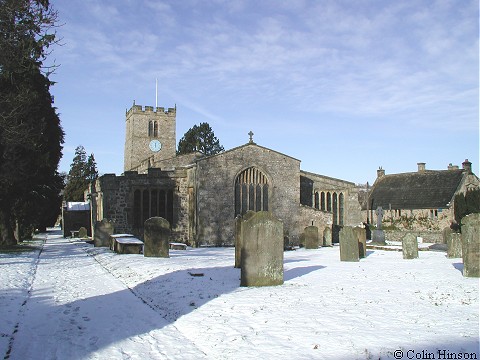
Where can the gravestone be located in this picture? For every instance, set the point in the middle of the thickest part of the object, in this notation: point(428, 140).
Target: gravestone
point(454, 245)
point(410, 246)
point(262, 250)
point(238, 236)
point(82, 233)
point(156, 237)
point(103, 230)
point(378, 235)
point(348, 244)
point(311, 237)
point(327, 236)
point(447, 232)
point(471, 245)
point(361, 235)
point(238, 240)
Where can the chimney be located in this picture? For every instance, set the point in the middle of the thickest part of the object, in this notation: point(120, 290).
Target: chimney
point(467, 166)
point(380, 173)
point(421, 167)
point(452, 167)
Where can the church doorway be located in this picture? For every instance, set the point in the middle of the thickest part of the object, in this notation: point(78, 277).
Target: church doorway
point(251, 191)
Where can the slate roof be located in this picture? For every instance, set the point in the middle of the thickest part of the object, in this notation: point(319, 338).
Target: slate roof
point(420, 190)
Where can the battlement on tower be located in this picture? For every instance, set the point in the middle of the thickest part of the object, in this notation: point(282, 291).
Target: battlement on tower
point(150, 110)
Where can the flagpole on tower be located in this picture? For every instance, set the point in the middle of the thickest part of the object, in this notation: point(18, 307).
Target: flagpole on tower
point(156, 94)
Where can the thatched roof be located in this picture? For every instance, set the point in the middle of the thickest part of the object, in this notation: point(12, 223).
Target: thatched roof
point(420, 190)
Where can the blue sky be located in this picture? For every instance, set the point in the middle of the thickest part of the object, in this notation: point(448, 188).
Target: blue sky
point(344, 86)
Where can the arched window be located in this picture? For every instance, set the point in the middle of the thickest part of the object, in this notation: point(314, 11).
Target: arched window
point(335, 209)
point(329, 202)
point(155, 129)
point(341, 210)
point(322, 201)
point(316, 200)
point(251, 191)
point(150, 128)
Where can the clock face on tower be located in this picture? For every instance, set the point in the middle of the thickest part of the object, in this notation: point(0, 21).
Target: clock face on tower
point(155, 145)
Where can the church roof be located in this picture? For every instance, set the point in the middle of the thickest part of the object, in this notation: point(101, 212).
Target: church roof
point(242, 146)
point(429, 189)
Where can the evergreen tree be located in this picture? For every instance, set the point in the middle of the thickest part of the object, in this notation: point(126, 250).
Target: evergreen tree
point(467, 203)
point(30, 133)
point(91, 169)
point(199, 138)
point(76, 178)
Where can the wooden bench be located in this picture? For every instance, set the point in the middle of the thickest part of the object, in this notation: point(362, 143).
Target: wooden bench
point(126, 244)
point(178, 246)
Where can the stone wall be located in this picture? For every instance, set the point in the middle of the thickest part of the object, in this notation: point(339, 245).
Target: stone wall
point(313, 183)
point(215, 190)
point(435, 237)
point(417, 219)
point(114, 199)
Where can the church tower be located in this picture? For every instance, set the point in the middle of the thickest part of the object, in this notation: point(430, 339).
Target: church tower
point(149, 134)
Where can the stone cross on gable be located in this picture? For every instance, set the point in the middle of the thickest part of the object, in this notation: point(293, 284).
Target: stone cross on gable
point(379, 212)
point(251, 136)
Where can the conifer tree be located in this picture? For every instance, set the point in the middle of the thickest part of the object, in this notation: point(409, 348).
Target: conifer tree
point(30, 133)
point(199, 138)
point(91, 169)
point(76, 183)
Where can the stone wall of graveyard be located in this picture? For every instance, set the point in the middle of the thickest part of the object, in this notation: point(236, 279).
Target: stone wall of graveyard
point(435, 237)
point(414, 219)
point(137, 137)
point(113, 199)
point(215, 191)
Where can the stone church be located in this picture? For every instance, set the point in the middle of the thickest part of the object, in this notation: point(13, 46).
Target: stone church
point(201, 195)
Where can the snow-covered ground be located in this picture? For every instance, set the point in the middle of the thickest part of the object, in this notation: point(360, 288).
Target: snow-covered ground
point(73, 301)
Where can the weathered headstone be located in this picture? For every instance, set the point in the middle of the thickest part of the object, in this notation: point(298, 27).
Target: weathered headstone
point(471, 245)
point(378, 235)
point(454, 245)
point(348, 244)
point(238, 236)
point(156, 237)
point(262, 250)
point(361, 235)
point(327, 236)
point(410, 246)
point(311, 237)
point(82, 233)
point(447, 231)
point(102, 232)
